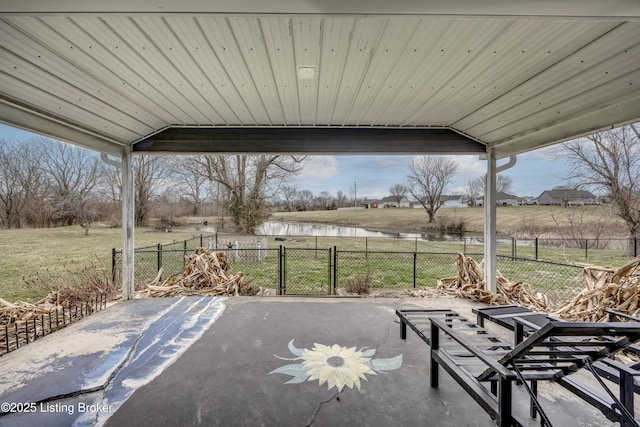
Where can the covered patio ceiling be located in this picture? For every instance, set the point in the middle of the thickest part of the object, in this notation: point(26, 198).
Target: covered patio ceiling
point(499, 77)
point(441, 76)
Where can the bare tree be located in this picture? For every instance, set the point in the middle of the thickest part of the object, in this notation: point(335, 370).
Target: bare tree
point(429, 177)
point(149, 173)
point(11, 201)
point(190, 181)
point(474, 190)
point(341, 199)
point(248, 181)
point(610, 162)
point(323, 200)
point(14, 163)
point(304, 200)
point(288, 193)
point(398, 192)
point(504, 183)
point(74, 173)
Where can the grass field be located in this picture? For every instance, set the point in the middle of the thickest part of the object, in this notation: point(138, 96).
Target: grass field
point(55, 255)
point(511, 220)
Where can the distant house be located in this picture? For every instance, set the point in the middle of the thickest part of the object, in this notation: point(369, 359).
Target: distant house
point(392, 202)
point(502, 199)
point(446, 201)
point(567, 197)
point(371, 203)
point(506, 199)
point(527, 200)
point(453, 201)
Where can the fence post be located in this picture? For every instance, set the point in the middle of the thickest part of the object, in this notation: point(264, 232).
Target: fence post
point(513, 248)
point(113, 264)
point(464, 247)
point(329, 274)
point(415, 259)
point(416, 245)
point(366, 247)
point(184, 257)
point(635, 246)
point(200, 239)
point(279, 269)
point(335, 268)
point(216, 248)
point(159, 257)
point(586, 250)
point(536, 245)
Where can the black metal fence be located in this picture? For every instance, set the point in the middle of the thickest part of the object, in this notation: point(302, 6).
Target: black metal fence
point(308, 271)
point(22, 332)
point(600, 251)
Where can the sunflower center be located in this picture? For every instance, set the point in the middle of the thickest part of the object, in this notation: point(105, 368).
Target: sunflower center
point(335, 361)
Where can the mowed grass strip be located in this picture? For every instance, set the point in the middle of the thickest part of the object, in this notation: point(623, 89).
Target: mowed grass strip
point(55, 253)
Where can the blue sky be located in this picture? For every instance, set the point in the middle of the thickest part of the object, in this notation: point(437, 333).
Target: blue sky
point(533, 173)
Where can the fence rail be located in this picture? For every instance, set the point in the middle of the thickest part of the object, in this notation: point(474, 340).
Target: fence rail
point(23, 332)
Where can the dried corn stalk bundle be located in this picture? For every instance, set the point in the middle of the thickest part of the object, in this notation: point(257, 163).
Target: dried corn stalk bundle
point(605, 289)
point(205, 273)
point(23, 322)
point(470, 284)
point(21, 311)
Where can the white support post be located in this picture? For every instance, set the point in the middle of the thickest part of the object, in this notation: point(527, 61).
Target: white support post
point(490, 269)
point(128, 225)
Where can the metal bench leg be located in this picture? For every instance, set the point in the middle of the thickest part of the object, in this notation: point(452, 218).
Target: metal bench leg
point(504, 402)
point(533, 412)
point(435, 344)
point(403, 329)
point(626, 395)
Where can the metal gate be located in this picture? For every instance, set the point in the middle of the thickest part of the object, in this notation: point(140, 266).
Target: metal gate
point(305, 271)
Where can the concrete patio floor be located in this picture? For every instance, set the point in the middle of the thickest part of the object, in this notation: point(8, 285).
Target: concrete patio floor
point(215, 361)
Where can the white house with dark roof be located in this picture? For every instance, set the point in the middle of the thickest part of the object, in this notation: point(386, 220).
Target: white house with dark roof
point(506, 199)
point(567, 197)
point(453, 201)
point(392, 202)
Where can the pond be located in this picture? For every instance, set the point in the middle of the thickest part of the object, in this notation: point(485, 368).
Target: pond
point(275, 228)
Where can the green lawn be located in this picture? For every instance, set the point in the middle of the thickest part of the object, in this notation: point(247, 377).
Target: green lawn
point(56, 255)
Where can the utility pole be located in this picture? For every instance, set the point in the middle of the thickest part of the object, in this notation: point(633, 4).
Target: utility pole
point(355, 194)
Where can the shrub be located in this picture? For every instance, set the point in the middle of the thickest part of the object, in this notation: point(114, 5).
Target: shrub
point(359, 284)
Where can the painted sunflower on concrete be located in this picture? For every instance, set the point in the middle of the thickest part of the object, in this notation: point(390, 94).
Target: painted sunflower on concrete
point(334, 365)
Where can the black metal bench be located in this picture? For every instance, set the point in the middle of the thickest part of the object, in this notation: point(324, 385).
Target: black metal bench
point(486, 366)
point(523, 322)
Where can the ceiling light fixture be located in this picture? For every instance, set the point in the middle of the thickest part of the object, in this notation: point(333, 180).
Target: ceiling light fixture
point(306, 72)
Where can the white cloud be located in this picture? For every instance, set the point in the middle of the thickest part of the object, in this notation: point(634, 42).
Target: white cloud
point(319, 168)
point(385, 161)
point(469, 167)
point(546, 153)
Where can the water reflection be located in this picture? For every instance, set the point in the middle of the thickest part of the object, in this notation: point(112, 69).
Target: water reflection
point(274, 228)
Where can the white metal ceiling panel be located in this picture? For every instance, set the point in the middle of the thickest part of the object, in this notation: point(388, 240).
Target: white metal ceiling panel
point(280, 58)
point(336, 40)
point(498, 79)
point(307, 51)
